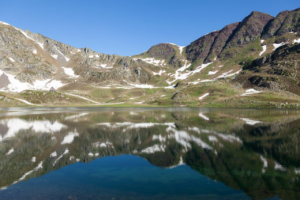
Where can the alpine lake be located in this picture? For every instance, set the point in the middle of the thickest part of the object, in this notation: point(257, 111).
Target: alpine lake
point(149, 153)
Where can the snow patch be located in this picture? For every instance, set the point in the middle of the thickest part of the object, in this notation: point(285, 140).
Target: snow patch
point(33, 159)
point(10, 151)
point(70, 72)
point(12, 60)
point(66, 152)
point(212, 72)
point(153, 149)
point(17, 86)
point(250, 91)
point(67, 59)
point(159, 73)
point(34, 51)
point(250, 121)
point(264, 50)
point(203, 116)
point(278, 45)
point(265, 164)
point(68, 139)
point(53, 154)
point(296, 41)
point(159, 138)
point(54, 56)
point(15, 125)
point(203, 96)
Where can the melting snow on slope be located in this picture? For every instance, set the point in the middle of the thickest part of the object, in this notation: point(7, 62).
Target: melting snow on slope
point(10, 151)
point(24, 101)
point(70, 72)
point(76, 116)
point(152, 61)
point(83, 98)
point(279, 167)
point(179, 75)
point(159, 138)
point(53, 154)
point(183, 138)
point(33, 159)
point(12, 60)
point(67, 59)
point(34, 51)
point(179, 164)
point(250, 121)
point(203, 116)
point(180, 47)
point(17, 86)
point(278, 45)
point(66, 152)
point(203, 96)
point(212, 138)
point(15, 125)
point(212, 72)
point(25, 34)
point(265, 164)
point(296, 41)
point(40, 166)
point(250, 91)
point(54, 56)
point(153, 149)
point(68, 139)
point(264, 50)
point(159, 73)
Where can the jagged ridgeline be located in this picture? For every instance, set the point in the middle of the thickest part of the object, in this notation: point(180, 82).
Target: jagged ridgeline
point(200, 74)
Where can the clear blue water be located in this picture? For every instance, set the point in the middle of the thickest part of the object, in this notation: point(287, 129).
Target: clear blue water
point(118, 177)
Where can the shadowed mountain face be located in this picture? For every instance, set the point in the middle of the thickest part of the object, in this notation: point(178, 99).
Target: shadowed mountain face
point(254, 151)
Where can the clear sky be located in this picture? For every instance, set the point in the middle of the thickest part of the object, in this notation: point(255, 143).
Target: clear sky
point(128, 27)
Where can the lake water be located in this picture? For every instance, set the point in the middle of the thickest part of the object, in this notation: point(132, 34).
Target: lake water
point(149, 153)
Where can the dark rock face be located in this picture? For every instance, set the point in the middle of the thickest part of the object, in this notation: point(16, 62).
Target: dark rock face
point(274, 25)
point(286, 21)
point(221, 41)
point(200, 48)
point(278, 71)
point(234, 35)
point(161, 51)
point(249, 29)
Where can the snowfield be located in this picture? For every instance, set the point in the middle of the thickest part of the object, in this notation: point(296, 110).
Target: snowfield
point(17, 86)
point(70, 72)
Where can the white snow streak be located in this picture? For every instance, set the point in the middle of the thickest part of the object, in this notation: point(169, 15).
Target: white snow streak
point(203, 96)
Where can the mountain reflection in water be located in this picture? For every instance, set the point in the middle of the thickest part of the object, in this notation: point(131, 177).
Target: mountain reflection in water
point(213, 153)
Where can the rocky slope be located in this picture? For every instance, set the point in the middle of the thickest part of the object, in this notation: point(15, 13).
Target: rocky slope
point(31, 61)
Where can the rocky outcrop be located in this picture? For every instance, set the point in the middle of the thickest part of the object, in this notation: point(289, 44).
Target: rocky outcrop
point(200, 48)
point(286, 21)
point(277, 71)
point(221, 41)
point(249, 29)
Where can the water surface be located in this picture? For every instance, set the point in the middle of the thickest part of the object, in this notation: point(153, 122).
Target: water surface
point(149, 153)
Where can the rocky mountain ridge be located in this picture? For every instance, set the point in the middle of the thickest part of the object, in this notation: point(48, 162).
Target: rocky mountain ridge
point(31, 61)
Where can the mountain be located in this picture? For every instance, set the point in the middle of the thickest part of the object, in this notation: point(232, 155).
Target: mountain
point(167, 74)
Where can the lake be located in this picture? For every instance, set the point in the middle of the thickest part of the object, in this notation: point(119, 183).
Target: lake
point(149, 153)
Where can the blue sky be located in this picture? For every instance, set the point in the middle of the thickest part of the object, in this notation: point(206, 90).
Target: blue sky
point(128, 27)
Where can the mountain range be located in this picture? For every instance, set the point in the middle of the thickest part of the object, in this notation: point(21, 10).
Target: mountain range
point(252, 63)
